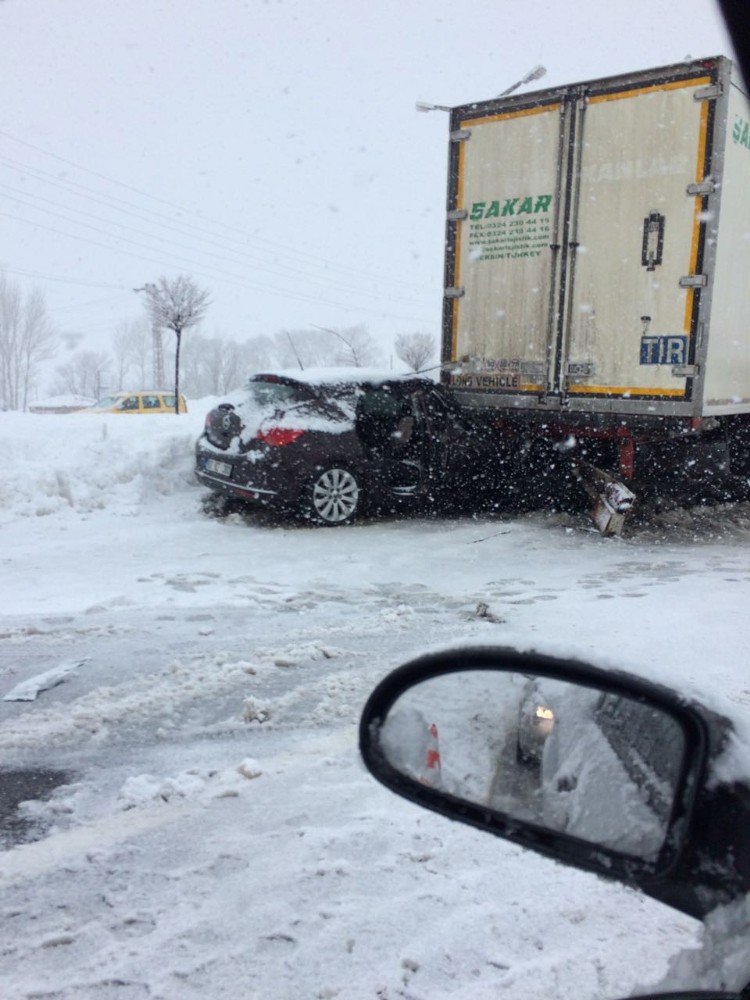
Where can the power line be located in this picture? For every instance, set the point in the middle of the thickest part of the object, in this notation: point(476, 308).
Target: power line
point(152, 236)
point(150, 248)
point(316, 259)
point(105, 200)
point(239, 281)
point(93, 302)
point(54, 277)
point(86, 170)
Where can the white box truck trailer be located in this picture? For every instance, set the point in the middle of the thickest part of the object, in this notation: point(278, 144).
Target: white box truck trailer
point(597, 269)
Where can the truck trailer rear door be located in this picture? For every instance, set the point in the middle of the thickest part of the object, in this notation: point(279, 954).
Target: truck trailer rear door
point(506, 175)
point(635, 239)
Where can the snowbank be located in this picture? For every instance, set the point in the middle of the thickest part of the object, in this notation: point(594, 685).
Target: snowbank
point(87, 462)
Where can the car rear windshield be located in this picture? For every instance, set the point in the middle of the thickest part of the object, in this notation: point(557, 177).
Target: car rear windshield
point(277, 394)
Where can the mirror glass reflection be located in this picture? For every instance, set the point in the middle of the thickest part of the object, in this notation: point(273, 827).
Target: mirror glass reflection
point(574, 759)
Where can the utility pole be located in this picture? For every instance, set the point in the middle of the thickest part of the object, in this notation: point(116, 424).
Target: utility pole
point(157, 350)
point(158, 354)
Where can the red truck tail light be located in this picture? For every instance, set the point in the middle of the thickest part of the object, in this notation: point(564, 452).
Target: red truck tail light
point(277, 437)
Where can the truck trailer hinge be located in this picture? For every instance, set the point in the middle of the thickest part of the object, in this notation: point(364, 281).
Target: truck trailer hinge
point(461, 135)
point(454, 293)
point(694, 281)
point(458, 214)
point(704, 187)
point(709, 93)
point(686, 371)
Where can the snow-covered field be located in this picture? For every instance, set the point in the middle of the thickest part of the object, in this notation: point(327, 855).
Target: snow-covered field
point(199, 681)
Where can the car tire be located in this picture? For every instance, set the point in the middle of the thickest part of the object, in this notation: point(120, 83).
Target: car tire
point(332, 497)
point(524, 758)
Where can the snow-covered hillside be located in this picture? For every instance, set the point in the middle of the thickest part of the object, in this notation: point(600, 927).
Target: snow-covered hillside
point(213, 833)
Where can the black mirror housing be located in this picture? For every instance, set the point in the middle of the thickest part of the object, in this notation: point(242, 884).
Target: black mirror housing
point(700, 863)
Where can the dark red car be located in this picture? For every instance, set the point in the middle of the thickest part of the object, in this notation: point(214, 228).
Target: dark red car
point(326, 444)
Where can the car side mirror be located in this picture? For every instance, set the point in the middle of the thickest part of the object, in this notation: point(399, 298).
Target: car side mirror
point(597, 769)
point(688, 995)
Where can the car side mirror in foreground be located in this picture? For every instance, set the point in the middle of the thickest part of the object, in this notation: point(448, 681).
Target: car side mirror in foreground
point(683, 995)
point(597, 769)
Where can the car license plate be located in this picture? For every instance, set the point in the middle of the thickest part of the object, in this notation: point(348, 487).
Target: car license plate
point(222, 468)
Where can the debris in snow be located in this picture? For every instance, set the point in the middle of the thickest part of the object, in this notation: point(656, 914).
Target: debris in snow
point(249, 768)
point(286, 660)
point(144, 788)
point(255, 711)
point(400, 611)
point(498, 965)
point(294, 655)
point(494, 534)
point(57, 940)
point(286, 938)
point(483, 611)
point(29, 689)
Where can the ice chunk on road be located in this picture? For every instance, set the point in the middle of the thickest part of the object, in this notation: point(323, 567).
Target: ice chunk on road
point(29, 689)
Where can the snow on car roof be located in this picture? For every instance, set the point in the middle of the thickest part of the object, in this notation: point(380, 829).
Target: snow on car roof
point(341, 376)
point(142, 392)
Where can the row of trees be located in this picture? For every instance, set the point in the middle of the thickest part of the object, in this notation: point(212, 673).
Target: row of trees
point(215, 365)
point(27, 339)
point(203, 365)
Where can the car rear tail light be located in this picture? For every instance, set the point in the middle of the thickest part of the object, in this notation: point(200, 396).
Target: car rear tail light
point(277, 437)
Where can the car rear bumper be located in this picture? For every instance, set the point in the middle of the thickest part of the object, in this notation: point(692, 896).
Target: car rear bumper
point(247, 490)
point(235, 476)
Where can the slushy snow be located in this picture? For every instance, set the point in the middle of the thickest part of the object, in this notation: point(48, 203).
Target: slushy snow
point(216, 834)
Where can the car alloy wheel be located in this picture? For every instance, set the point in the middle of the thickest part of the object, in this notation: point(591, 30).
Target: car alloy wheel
point(334, 497)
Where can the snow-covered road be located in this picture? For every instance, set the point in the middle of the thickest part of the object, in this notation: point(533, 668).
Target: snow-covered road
point(217, 835)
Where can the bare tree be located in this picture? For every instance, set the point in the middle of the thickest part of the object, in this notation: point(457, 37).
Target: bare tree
point(213, 366)
point(416, 349)
point(176, 304)
point(132, 344)
point(356, 347)
point(26, 340)
point(305, 348)
point(86, 373)
point(257, 353)
point(207, 364)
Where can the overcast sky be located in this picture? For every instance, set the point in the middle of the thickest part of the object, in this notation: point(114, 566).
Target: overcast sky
point(271, 149)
